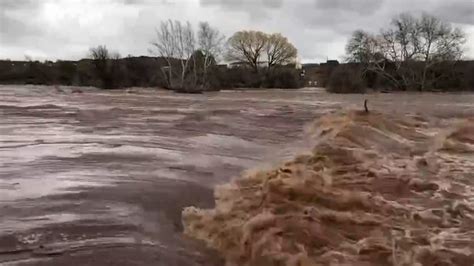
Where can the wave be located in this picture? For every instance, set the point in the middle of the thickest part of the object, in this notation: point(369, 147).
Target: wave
point(375, 190)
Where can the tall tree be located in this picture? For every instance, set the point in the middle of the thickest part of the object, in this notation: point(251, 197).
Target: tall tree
point(186, 45)
point(210, 42)
point(279, 50)
point(175, 40)
point(100, 55)
point(408, 45)
point(164, 46)
point(252, 47)
point(106, 65)
point(361, 47)
point(247, 47)
point(438, 41)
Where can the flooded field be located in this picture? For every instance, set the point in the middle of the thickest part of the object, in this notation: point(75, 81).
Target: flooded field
point(101, 178)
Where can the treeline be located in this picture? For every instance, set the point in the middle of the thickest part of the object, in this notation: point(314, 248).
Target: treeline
point(184, 59)
point(355, 78)
point(258, 59)
point(125, 72)
point(414, 54)
point(140, 72)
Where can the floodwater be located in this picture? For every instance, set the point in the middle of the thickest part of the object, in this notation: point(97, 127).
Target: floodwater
point(101, 178)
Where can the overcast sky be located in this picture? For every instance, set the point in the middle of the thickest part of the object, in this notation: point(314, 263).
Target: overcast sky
point(66, 29)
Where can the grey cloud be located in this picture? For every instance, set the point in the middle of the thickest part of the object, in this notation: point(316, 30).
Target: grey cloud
point(362, 7)
point(258, 10)
point(272, 3)
point(18, 4)
point(327, 17)
point(133, 2)
point(16, 20)
point(455, 11)
point(460, 11)
point(319, 28)
point(147, 2)
point(14, 29)
point(243, 4)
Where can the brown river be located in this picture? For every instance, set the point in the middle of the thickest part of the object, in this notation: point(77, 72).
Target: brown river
point(102, 178)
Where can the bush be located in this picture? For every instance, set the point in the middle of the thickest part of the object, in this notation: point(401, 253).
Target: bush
point(146, 72)
point(467, 78)
point(283, 78)
point(241, 77)
point(345, 79)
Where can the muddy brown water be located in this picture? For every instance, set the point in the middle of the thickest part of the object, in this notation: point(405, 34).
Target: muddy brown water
point(101, 178)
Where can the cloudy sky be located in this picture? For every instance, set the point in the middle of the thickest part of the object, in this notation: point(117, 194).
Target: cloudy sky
point(65, 29)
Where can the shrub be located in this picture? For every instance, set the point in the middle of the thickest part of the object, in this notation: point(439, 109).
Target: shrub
point(283, 78)
point(240, 77)
point(345, 79)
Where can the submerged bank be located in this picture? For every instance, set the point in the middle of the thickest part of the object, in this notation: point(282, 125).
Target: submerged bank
point(375, 190)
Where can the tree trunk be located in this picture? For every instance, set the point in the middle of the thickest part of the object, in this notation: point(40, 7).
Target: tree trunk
point(170, 77)
point(423, 78)
point(255, 65)
point(425, 67)
point(183, 75)
point(204, 76)
point(194, 71)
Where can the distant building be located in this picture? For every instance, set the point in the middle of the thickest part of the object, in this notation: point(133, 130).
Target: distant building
point(238, 64)
point(331, 63)
point(316, 75)
point(264, 64)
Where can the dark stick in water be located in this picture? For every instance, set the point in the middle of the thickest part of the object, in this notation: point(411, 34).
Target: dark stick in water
point(365, 106)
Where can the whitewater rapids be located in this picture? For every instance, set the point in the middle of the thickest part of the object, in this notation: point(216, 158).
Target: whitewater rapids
point(375, 189)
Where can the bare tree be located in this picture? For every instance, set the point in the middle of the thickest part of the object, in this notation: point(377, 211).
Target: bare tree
point(175, 40)
point(248, 47)
point(100, 55)
point(210, 42)
point(370, 51)
point(106, 64)
point(438, 41)
point(402, 39)
point(252, 46)
point(165, 46)
point(186, 44)
point(409, 44)
point(362, 48)
point(279, 50)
